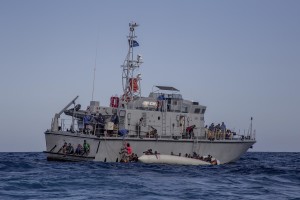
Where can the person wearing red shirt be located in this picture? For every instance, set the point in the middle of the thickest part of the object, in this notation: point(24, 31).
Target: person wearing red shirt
point(129, 149)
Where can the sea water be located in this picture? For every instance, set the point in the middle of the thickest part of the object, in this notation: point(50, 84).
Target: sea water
point(254, 176)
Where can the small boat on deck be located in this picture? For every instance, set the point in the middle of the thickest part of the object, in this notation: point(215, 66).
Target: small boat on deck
point(174, 160)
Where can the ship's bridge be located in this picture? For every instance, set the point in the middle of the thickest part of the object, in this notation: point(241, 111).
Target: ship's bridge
point(174, 102)
point(165, 93)
point(167, 99)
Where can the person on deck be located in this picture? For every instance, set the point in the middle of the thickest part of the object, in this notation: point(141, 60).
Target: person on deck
point(211, 131)
point(223, 127)
point(190, 131)
point(115, 119)
point(86, 122)
point(218, 128)
point(223, 130)
point(101, 122)
point(160, 102)
point(211, 127)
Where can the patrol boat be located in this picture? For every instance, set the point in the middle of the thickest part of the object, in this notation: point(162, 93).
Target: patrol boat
point(163, 121)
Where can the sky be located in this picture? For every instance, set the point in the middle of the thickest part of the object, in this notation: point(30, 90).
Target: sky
point(241, 59)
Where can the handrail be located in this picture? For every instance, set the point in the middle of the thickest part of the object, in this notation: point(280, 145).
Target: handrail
point(95, 129)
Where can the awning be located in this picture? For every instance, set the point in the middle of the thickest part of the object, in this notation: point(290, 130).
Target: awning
point(167, 88)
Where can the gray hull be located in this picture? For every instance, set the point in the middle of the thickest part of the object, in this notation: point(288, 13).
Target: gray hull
point(107, 149)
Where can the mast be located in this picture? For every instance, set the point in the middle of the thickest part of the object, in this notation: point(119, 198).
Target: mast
point(251, 127)
point(131, 81)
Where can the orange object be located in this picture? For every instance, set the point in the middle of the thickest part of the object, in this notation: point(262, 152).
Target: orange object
point(133, 84)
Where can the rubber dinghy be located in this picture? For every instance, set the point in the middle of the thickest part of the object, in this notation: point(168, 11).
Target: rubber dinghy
point(171, 159)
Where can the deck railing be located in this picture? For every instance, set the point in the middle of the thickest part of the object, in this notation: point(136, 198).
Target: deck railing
point(101, 131)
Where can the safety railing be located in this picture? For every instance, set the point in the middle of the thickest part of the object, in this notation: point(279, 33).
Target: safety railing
point(136, 132)
point(228, 135)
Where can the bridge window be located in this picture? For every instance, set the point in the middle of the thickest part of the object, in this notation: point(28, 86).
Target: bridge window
point(197, 110)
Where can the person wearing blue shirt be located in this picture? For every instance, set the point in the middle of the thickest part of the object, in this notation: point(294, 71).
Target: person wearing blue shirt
point(223, 127)
point(86, 122)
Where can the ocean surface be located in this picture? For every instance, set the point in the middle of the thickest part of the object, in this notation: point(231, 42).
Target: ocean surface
point(254, 176)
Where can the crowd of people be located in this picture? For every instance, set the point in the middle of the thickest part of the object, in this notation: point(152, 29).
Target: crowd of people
point(218, 132)
point(96, 123)
point(150, 152)
point(90, 122)
point(208, 158)
point(81, 150)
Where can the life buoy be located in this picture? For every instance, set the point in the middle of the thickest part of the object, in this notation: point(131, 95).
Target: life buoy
point(133, 84)
point(114, 102)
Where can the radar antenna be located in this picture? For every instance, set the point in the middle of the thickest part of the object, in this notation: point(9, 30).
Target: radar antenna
point(131, 81)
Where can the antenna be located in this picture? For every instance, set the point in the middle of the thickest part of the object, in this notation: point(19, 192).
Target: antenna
point(94, 75)
point(251, 127)
point(95, 66)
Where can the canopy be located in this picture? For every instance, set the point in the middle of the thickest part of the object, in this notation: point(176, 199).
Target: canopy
point(167, 88)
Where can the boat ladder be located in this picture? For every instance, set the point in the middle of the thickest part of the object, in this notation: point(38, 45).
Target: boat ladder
point(163, 120)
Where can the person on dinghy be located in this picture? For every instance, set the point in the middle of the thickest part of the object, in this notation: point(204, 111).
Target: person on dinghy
point(64, 148)
point(148, 152)
point(86, 148)
point(70, 149)
point(129, 149)
point(78, 150)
